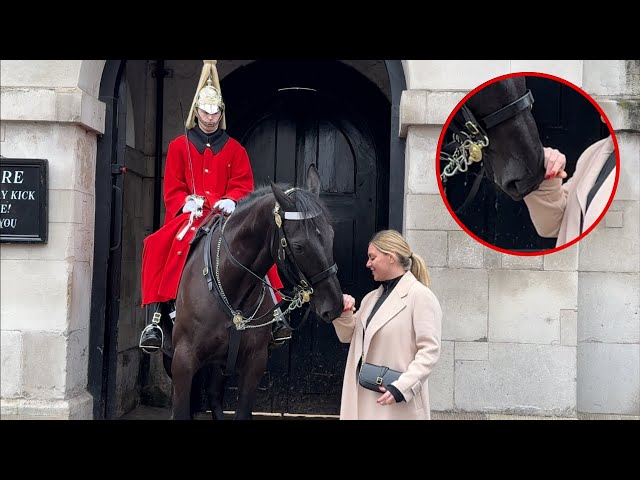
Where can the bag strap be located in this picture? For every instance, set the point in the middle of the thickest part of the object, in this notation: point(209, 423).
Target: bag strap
point(607, 168)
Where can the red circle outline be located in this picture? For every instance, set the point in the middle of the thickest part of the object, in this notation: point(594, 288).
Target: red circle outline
point(532, 74)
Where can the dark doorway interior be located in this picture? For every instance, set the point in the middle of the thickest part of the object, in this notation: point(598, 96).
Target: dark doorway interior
point(290, 115)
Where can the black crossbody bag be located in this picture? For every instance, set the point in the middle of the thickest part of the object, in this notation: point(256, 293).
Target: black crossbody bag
point(372, 376)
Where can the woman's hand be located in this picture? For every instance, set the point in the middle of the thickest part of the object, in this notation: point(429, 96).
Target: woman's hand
point(554, 163)
point(349, 303)
point(387, 398)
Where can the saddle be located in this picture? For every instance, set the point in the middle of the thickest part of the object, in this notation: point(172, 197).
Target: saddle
point(208, 223)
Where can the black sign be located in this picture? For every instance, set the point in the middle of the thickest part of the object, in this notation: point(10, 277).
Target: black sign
point(24, 200)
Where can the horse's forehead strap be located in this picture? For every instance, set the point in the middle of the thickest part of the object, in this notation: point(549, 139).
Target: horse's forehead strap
point(294, 215)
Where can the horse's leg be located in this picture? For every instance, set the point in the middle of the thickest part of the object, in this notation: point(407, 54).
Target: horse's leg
point(249, 377)
point(215, 392)
point(183, 368)
point(167, 346)
point(166, 362)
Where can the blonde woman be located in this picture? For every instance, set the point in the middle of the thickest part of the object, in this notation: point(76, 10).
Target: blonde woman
point(397, 326)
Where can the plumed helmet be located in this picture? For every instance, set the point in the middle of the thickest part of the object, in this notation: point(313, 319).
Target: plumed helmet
point(209, 99)
point(208, 95)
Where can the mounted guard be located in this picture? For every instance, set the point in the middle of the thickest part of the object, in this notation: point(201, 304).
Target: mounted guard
point(206, 172)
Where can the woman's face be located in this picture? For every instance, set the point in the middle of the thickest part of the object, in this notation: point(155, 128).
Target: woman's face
point(381, 264)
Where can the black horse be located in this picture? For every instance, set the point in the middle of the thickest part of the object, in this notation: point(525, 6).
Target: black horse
point(224, 313)
point(493, 135)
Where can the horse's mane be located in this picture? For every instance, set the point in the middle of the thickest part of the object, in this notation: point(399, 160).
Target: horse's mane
point(305, 201)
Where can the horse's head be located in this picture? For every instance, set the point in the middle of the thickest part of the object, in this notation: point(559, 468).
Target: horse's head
point(305, 246)
point(514, 156)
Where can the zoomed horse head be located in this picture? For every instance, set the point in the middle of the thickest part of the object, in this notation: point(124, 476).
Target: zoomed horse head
point(513, 154)
point(305, 247)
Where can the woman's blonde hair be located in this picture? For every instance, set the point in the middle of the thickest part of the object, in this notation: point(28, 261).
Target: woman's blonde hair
point(391, 242)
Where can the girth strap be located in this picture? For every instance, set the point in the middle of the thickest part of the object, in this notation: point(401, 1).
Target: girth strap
point(232, 354)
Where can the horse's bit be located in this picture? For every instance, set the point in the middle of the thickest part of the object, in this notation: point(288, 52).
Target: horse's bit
point(470, 137)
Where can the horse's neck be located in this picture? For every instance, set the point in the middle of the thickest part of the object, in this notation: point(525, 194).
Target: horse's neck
point(249, 237)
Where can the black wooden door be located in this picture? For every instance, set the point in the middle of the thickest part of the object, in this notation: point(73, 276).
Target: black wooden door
point(295, 129)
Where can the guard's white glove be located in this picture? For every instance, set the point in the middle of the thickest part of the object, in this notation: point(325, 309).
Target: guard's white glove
point(190, 206)
point(225, 205)
point(193, 204)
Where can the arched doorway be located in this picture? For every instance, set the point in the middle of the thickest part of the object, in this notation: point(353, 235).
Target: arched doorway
point(288, 114)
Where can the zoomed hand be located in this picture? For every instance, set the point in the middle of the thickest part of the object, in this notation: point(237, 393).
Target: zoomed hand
point(349, 303)
point(554, 163)
point(225, 205)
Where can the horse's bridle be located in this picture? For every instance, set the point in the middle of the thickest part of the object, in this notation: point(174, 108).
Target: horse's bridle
point(470, 137)
point(303, 287)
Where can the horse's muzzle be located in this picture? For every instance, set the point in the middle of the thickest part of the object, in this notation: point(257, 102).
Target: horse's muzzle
point(518, 186)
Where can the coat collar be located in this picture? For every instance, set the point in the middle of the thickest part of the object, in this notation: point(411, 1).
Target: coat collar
point(216, 141)
point(394, 303)
point(599, 158)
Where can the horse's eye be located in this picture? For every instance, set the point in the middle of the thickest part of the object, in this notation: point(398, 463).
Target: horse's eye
point(297, 248)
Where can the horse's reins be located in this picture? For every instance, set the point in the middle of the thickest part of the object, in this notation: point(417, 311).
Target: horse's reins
point(470, 138)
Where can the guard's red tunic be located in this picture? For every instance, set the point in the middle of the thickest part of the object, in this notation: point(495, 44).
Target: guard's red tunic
point(225, 174)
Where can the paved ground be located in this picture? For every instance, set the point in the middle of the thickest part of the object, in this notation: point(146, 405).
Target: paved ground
point(154, 413)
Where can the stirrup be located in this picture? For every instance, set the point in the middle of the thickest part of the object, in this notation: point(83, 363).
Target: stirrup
point(151, 326)
point(278, 326)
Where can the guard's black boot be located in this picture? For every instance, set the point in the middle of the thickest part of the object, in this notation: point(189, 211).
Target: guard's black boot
point(280, 332)
point(152, 336)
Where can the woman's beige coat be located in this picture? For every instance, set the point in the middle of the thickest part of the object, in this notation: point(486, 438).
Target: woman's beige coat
point(404, 335)
point(555, 208)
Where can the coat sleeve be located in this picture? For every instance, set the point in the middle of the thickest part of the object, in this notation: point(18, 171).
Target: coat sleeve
point(547, 205)
point(176, 189)
point(427, 324)
point(345, 325)
point(241, 176)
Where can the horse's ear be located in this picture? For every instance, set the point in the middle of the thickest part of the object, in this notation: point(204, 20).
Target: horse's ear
point(281, 197)
point(313, 179)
